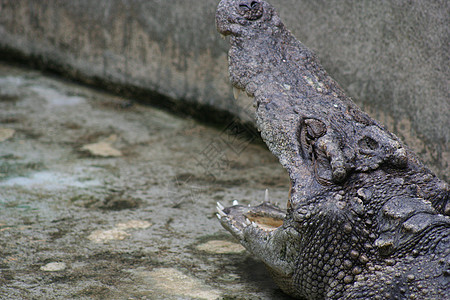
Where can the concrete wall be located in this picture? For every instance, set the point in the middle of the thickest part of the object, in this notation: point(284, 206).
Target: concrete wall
point(391, 56)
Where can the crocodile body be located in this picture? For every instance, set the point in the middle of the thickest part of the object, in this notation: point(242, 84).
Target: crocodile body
point(364, 219)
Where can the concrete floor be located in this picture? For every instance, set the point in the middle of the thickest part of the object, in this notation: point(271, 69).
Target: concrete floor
point(103, 198)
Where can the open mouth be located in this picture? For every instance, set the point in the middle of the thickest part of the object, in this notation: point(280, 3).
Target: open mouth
point(265, 218)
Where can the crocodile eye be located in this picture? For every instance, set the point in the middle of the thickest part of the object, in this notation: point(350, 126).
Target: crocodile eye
point(368, 144)
point(315, 128)
point(309, 131)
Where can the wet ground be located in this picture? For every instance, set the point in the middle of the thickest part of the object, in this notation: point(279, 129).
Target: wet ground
point(103, 198)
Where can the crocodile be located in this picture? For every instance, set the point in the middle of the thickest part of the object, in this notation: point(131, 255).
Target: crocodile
point(365, 219)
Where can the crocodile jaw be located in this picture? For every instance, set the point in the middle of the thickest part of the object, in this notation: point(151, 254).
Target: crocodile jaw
point(261, 230)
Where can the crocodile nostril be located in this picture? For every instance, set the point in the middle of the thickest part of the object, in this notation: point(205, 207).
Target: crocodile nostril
point(248, 5)
point(251, 10)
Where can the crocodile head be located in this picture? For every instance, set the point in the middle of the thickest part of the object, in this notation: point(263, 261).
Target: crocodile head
point(355, 187)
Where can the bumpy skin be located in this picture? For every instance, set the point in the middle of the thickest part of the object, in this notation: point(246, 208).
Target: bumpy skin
point(365, 218)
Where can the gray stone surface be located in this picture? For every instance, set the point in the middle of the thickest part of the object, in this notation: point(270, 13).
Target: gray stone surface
point(391, 57)
point(81, 221)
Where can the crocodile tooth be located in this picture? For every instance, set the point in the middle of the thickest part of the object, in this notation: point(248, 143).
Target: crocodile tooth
point(247, 221)
point(220, 209)
point(221, 213)
point(218, 216)
point(254, 225)
point(236, 93)
point(220, 206)
point(235, 202)
point(266, 196)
